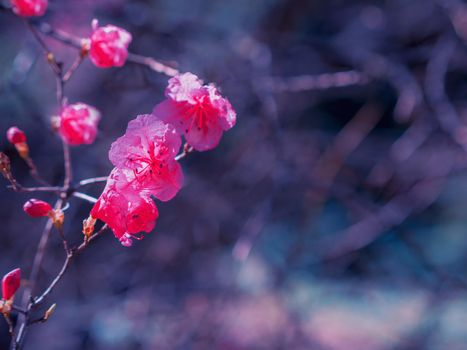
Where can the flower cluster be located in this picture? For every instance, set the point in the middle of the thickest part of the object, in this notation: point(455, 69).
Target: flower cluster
point(145, 166)
point(107, 47)
point(197, 111)
point(124, 209)
point(145, 157)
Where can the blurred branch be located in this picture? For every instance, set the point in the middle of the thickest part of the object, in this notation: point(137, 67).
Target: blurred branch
point(315, 82)
point(152, 64)
point(85, 197)
point(92, 181)
point(76, 42)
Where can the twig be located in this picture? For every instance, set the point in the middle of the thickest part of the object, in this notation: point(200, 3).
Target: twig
point(63, 37)
point(92, 181)
point(85, 197)
point(20, 188)
point(27, 295)
point(67, 76)
point(316, 82)
point(11, 328)
point(152, 64)
point(73, 253)
point(19, 309)
point(33, 171)
point(186, 150)
point(67, 161)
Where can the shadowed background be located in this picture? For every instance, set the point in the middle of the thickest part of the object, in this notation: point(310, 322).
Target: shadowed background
point(331, 217)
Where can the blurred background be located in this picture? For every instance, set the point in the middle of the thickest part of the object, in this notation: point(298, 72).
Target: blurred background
point(332, 217)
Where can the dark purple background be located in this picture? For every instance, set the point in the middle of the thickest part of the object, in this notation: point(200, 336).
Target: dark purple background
point(333, 216)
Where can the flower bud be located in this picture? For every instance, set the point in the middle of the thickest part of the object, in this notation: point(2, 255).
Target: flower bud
point(18, 139)
point(58, 217)
point(5, 166)
point(29, 8)
point(10, 284)
point(15, 135)
point(49, 312)
point(36, 208)
point(88, 226)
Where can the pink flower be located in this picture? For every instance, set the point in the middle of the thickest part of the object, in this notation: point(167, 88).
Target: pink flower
point(125, 210)
point(36, 208)
point(78, 124)
point(109, 46)
point(145, 154)
point(15, 135)
point(29, 8)
point(10, 284)
point(198, 111)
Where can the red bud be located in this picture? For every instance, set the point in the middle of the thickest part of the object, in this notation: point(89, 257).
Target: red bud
point(37, 208)
point(15, 135)
point(10, 283)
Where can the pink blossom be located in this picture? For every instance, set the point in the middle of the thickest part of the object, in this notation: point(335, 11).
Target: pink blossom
point(109, 46)
point(198, 111)
point(78, 124)
point(29, 8)
point(145, 154)
point(125, 210)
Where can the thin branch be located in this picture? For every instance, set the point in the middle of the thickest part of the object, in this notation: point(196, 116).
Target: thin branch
point(186, 150)
point(85, 197)
point(34, 172)
point(27, 295)
point(19, 309)
point(61, 36)
point(67, 76)
point(92, 181)
point(67, 164)
point(73, 253)
point(316, 82)
point(20, 188)
point(49, 56)
point(11, 328)
point(152, 64)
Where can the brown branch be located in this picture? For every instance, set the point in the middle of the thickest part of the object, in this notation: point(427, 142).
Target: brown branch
point(70, 256)
point(27, 294)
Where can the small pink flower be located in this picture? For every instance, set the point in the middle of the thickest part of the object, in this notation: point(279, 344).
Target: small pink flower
point(198, 111)
point(109, 46)
point(36, 208)
point(10, 284)
point(15, 135)
point(29, 8)
point(145, 154)
point(126, 211)
point(78, 124)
